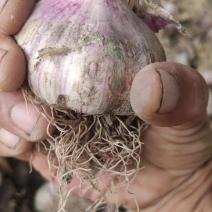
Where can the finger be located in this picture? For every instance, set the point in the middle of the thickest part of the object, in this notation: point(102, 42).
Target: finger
point(39, 162)
point(175, 96)
point(168, 94)
point(23, 119)
point(12, 145)
point(12, 64)
point(13, 14)
point(87, 190)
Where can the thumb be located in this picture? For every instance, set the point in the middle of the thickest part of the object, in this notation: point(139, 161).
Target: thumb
point(168, 94)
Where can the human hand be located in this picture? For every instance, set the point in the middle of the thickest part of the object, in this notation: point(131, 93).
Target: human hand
point(21, 124)
point(177, 150)
point(177, 160)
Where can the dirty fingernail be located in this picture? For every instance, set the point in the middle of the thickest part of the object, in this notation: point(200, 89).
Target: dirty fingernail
point(8, 139)
point(170, 92)
point(2, 4)
point(25, 117)
point(2, 53)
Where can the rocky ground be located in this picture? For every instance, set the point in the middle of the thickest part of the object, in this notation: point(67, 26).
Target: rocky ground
point(18, 185)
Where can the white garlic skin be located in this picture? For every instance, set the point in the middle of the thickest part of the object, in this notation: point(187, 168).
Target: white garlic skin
point(83, 54)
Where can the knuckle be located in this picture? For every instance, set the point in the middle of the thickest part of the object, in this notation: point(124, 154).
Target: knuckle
point(11, 77)
point(13, 14)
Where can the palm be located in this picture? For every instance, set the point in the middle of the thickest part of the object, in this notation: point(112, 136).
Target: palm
point(171, 167)
point(171, 164)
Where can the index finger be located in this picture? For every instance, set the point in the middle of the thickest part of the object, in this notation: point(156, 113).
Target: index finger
point(13, 14)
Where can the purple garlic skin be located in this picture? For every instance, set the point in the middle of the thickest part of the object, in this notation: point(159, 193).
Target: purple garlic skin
point(83, 54)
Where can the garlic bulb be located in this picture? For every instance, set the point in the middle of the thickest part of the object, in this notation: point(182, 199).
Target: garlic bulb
point(83, 54)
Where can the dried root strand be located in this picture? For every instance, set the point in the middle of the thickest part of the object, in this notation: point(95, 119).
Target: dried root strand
point(84, 145)
point(89, 144)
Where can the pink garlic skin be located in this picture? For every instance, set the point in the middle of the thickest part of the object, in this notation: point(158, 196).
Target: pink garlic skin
point(83, 54)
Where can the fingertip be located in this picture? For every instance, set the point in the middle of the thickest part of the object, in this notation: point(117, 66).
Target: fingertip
point(169, 94)
point(41, 164)
point(12, 64)
point(12, 145)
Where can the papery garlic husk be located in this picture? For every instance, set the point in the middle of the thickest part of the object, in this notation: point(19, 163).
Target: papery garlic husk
point(83, 54)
